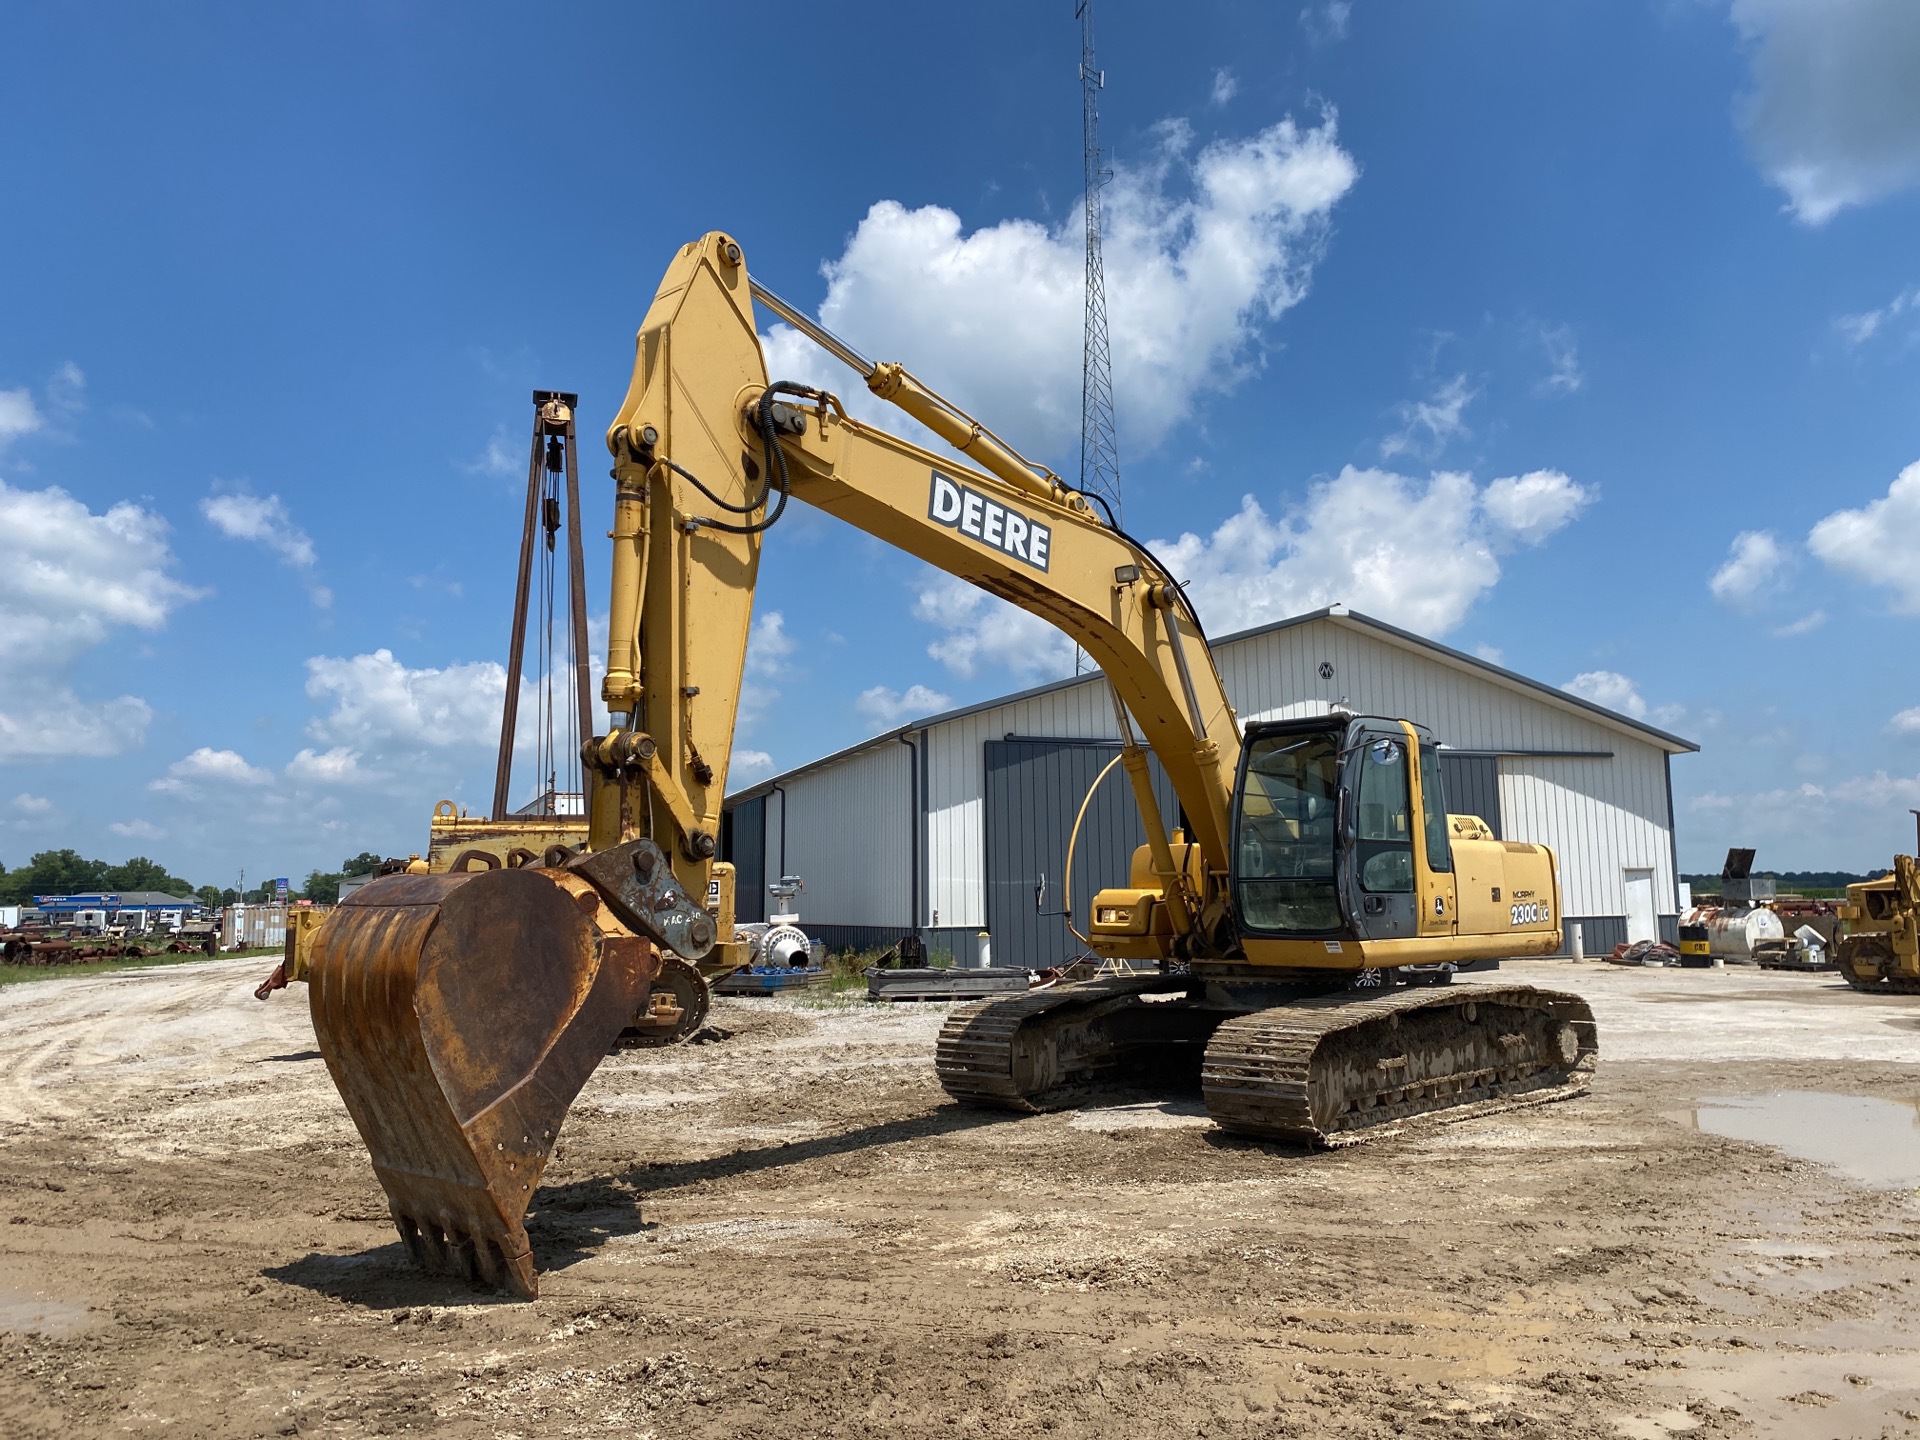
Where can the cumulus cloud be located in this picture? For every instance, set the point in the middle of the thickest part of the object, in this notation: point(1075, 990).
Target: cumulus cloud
point(209, 767)
point(1202, 249)
point(1833, 114)
point(981, 631)
point(1609, 688)
point(18, 415)
point(502, 457)
point(1853, 823)
point(1428, 426)
point(1225, 87)
point(1877, 543)
point(380, 706)
point(1416, 553)
point(769, 648)
point(887, 707)
point(1907, 722)
point(748, 764)
point(137, 830)
point(48, 721)
point(27, 804)
point(1754, 563)
point(71, 577)
point(337, 766)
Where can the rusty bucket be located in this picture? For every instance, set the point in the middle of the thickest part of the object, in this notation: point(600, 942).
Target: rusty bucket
point(459, 1015)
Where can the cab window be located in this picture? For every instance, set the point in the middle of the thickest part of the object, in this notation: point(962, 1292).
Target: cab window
point(1384, 834)
point(1433, 795)
point(1284, 843)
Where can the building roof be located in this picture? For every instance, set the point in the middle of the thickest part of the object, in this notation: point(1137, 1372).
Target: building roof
point(114, 900)
point(1339, 615)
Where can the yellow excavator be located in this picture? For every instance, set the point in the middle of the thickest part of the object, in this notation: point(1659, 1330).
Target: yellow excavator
point(460, 1013)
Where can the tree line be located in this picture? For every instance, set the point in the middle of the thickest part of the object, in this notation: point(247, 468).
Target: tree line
point(67, 872)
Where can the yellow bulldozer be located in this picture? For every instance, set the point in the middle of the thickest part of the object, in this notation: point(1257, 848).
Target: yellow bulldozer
point(460, 1012)
point(1879, 945)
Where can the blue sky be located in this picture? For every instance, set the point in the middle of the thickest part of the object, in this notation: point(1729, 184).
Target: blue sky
point(1585, 335)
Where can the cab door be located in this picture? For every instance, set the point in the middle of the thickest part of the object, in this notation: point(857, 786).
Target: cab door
point(1439, 904)
point(1380, 874)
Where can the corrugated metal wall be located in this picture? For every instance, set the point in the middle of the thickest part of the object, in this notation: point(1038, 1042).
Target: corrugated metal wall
point(849, 836)
point(1473, 788)
point(848, 823)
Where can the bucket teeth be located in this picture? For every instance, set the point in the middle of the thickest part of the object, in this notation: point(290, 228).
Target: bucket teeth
point(459, 1016)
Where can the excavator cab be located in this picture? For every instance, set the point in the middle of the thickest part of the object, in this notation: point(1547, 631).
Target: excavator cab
point(1342, 839)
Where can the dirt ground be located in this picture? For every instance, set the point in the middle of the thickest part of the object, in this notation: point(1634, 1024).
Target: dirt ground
point(790, 1232)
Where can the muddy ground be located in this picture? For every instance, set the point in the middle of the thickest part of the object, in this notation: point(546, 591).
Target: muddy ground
point(792, 1233)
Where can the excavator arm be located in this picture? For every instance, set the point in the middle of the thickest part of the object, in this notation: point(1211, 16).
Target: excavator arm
point(706, 453)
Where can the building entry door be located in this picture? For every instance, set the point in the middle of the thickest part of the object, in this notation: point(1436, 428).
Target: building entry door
point(1642, 924)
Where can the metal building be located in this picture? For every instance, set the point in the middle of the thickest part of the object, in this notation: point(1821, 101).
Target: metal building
point(958, 823)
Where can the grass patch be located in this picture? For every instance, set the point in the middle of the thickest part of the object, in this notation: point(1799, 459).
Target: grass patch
point(15, 974)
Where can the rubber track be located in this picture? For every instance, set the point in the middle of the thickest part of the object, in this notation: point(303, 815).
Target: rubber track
point(975, 1052)
point(1258, 1066)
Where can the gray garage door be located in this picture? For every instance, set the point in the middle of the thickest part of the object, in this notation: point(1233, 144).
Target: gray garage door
point(1034, 789)
point(1473, 787)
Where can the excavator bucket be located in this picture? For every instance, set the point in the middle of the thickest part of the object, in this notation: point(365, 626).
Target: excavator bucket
point(459, 1015)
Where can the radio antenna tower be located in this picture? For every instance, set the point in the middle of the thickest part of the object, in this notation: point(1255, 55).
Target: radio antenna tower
point(1099, 446)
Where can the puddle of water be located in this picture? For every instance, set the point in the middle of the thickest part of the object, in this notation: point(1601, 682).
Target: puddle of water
point(21, 1311)
point(1876, 1142)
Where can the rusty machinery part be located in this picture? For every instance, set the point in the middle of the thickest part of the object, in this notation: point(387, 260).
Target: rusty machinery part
point(1867, 962)
point(676, 1009)
point(639, 884)
point(459, 1015)
point(1318, 1070)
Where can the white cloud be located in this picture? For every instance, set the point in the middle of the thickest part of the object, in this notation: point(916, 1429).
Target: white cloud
point(1533, 506)
point(1415, 553)
point(67, 389)
point(749, 763)
point(1833, 115)
point(71, 576)
point(1609, 688)
point(1754, 564)
point(1877, 543)
point(18, 415)
point(888, 707)
point(501, 457)
point(1492, 654)
point(1327, 21)
point(137, 829)
point(382, 707)
point(1564, 376)
point(1907, 722)
point(207, 766)
point(1428, 426)
point(1805, 625)
point(768, 644)
point(982, 630)
point(262, 520)
point(32, 804)
point(1225, 87)
point(49, 722)
point(993, 318)
point(337, 766)
point(1857, 330)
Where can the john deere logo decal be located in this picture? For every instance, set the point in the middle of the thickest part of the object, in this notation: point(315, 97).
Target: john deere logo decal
point(960, 508)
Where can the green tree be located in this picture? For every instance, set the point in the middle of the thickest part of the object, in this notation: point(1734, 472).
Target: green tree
point(228, 896)
point(322, 887)
point(365, 863)
point(52, 872)
point(208, 896)
point(140, 873)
